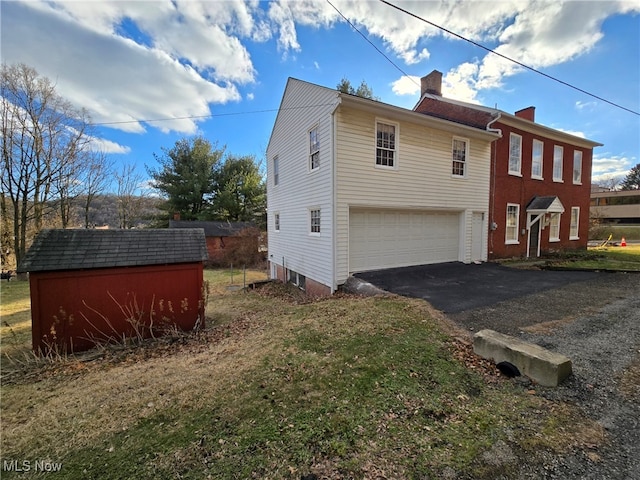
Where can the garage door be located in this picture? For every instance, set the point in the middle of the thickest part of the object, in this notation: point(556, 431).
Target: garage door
point(389, 238)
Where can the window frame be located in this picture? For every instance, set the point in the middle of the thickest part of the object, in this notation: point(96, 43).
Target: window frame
point(314, 148)
point(276, 222)
point(558, 163)
point(574, 229)
point(507, 239)
point(577, 161)
point(276, 170)
point(394, 150)
point(518, 172)
point(554, 225)
point(315, 228)
point(454, 160)
point(535, 144)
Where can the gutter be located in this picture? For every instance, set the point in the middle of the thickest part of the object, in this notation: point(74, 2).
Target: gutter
point(334, 200)
point(492, 181)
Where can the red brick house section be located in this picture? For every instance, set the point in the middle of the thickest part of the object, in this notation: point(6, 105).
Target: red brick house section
point(531, 212)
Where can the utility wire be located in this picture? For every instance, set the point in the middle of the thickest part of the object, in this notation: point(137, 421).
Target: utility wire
point(508, 58)
point(211, 115)
point(372, 44)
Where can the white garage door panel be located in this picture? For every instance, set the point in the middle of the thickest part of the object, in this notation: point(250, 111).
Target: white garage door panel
point(386, 239)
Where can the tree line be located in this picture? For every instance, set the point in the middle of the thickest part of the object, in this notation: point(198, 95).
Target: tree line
point(52, 172)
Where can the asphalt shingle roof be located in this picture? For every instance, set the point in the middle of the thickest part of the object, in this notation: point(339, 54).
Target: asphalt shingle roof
point(213, 228)
point(85, 249)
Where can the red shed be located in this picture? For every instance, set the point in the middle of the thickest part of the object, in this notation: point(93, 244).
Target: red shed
point(97, 286)
point(221, 236)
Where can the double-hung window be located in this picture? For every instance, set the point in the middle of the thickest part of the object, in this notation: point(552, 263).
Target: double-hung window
point(513, 223)
point(276, 221)
point(515, 154)
point(575, 223)
point(314, 219)
point(460, 151)
point(276, 170)
point(537, 159)
point(577, 167)
point(386, 144)
point(558, 155)
point(314, 149)
point(554, 228)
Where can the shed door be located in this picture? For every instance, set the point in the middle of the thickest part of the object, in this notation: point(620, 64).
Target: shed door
point(396, 238)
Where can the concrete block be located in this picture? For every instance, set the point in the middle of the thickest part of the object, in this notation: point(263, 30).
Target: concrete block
point(545, 367)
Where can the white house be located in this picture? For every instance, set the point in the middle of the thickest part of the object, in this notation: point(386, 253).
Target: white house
point(354, 184)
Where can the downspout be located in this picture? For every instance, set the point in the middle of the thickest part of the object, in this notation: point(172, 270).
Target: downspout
point(492, 179)
point(334, 215)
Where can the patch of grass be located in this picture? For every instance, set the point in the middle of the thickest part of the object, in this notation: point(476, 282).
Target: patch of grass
point(15, 318)
point(344, 387)
point(602, 232)
point(601, 258)
point(222, 281)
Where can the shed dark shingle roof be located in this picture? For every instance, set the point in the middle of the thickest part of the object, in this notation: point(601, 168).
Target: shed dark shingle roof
point(85, 249)
point(213, 228)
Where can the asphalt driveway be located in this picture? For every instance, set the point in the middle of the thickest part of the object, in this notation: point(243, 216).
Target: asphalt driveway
point(457, 287)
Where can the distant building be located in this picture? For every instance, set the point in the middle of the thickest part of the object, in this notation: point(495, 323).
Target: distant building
point(220, 236)
point(615, 206)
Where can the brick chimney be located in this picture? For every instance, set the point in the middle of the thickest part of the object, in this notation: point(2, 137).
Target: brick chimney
point(528, 113)
point(431, 83)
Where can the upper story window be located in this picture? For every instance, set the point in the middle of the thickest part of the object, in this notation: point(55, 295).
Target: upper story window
point(575, 223)
point(513, 223)
point(276, 221)
point(515, 154)
point(537, 159)
point(386, 144)
point(276, 170)
point(577, 166)
point(459, 154)
point(314, 216)
point(314, 149)
point(558, 156)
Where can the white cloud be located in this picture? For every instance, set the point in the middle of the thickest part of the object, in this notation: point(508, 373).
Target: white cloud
point(119, 80)
point(406, 85)
point(107, 146)
point(606, 167)
point(585, 105)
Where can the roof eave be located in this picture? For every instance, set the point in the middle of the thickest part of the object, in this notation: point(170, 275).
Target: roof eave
point(400, 113)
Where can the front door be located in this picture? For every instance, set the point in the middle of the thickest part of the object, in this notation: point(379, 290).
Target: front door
point(534, 239)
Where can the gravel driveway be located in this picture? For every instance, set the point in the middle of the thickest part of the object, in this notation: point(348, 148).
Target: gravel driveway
point(596, 323)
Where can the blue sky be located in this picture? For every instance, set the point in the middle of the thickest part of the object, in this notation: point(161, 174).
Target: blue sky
point(225, 64)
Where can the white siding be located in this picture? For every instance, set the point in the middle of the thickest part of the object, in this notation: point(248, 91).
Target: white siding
point(303, 106)
point(422, 179)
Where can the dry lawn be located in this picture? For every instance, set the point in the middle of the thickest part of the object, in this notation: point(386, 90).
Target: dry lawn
point(278, 386)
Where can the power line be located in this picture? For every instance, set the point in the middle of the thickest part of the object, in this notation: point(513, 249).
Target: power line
point(211, 115)
point(509, 58)
point(371, 43)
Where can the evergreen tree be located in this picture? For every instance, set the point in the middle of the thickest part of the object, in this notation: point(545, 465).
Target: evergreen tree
point(632, 180)
point(187, 176)
point(240, 191)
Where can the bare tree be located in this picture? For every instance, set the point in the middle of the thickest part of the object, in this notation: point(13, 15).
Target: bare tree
point(95, 179)
point(129, 203)
point(43, 138)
